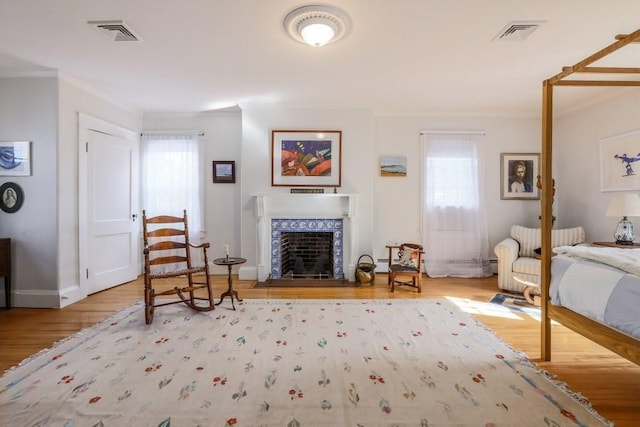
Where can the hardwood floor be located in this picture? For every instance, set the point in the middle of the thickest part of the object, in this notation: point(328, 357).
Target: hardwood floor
point(609, 382)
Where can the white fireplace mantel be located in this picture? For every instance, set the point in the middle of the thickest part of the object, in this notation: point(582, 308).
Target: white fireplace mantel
point(270, 206)
point(306, 205)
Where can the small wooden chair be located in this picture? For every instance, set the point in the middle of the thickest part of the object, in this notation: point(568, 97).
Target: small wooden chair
point(170, 233)
point(405, 261)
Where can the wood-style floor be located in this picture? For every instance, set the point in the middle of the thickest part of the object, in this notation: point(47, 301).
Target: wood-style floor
point(609, 382)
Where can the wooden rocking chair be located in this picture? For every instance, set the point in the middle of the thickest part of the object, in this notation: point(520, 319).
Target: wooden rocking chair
point(170, 233)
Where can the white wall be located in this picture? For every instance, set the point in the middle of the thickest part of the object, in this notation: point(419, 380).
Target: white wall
point(358, 167)
point(28, 112)
point(388, 208)
point(365, 139)
point(397, 200)
point(44, 231)
point(222, 139)
point(577, 159)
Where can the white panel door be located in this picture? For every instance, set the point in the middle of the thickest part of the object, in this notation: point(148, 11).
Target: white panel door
point(110, 211)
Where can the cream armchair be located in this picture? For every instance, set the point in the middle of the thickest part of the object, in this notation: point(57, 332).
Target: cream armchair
point(517, 257)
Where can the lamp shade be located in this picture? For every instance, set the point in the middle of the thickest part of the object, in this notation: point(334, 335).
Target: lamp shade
point(624, 205)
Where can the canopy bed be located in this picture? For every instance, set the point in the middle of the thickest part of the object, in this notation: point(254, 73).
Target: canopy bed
point(553, 269)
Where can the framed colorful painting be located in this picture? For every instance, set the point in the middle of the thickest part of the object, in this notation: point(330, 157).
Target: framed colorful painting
point(306, 158)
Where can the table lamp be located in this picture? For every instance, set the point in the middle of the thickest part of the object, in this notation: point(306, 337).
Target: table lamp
point(624, 205)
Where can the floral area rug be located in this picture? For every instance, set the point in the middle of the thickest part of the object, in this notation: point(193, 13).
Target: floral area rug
point(288, 363)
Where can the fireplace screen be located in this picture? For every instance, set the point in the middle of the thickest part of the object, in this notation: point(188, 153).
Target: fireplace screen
point(306, 254)
point(306, 248)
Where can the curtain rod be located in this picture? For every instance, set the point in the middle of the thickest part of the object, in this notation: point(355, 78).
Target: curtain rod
point(445, 132)
point(170, 132)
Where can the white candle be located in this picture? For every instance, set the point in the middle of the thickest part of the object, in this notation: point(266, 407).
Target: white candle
point(226, 249)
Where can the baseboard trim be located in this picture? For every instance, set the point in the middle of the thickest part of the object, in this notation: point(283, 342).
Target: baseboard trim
point(35, 299)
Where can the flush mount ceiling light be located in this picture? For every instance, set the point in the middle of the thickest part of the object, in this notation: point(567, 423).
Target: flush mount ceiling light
point(317, 25)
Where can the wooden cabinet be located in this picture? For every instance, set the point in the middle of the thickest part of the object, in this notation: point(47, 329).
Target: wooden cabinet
point(5, 269)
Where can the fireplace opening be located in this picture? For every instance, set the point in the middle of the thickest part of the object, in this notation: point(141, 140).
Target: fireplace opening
point(320, 257)
point(307, 254)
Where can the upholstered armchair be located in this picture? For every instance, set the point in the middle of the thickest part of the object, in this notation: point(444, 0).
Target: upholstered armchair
point(518, 261)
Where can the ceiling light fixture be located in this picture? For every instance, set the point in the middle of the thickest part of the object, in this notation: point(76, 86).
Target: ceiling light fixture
point(317, 25)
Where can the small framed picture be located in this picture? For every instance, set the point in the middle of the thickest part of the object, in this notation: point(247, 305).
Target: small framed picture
point(393, 166)
point(15, 158)
point(11, 197)
point(224, 172)
point(518, 172)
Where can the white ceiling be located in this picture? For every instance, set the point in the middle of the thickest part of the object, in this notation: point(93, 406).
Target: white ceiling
point(401, 56)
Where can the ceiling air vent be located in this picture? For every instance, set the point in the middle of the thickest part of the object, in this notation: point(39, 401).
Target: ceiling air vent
point(116, 31)
point(518, 30)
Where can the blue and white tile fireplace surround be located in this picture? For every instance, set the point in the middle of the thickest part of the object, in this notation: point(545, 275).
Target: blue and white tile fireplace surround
point(280, 213)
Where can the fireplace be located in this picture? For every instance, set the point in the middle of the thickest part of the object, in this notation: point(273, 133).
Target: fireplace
point(307, 248)
point(315, 213)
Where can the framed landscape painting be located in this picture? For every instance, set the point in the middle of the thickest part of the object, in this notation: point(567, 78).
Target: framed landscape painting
point(306, 158)
point(224, 172)
point(393, 166)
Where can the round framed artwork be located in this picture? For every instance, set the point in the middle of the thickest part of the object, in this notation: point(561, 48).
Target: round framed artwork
point(11, 197)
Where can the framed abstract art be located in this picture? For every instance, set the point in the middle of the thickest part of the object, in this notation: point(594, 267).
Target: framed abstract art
point(306, 158)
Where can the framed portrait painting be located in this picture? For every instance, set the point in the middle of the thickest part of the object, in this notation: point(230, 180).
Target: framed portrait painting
point(620, 162)
point(518, 172)
point(11, 197)
point(306, 158)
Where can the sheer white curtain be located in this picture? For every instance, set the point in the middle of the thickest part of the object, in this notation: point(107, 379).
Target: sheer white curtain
point(172, 177)
point(455, 227)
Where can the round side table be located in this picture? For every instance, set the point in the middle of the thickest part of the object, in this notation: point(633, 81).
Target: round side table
point(229, 262)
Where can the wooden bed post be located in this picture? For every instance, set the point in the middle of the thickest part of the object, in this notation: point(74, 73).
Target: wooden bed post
point(621, 343)
point(546, 205)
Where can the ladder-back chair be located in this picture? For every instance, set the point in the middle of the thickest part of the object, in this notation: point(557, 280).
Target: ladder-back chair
point(166, 243)
point(405, 262)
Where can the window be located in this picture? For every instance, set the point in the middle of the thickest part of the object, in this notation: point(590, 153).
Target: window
point(454, 220)
point(453, 181)
point(172, 177)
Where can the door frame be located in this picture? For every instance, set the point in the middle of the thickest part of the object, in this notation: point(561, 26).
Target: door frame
point(86, 124)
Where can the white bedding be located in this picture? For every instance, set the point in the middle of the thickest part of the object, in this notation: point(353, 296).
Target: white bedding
point(602, 292)
point(625, 259)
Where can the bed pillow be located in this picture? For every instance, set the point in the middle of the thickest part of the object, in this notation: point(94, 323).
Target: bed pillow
point(537, 253)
